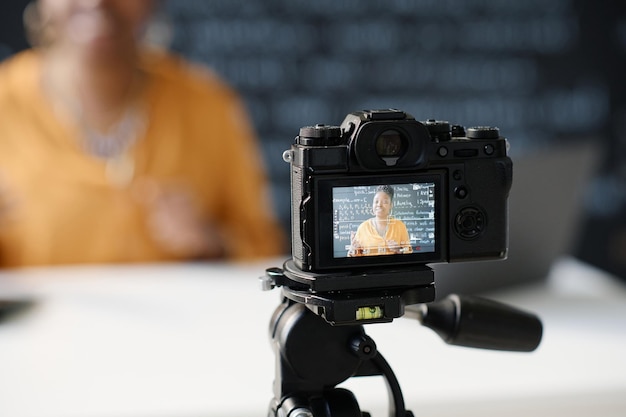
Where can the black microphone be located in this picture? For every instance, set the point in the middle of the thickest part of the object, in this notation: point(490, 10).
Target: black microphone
point(480, 323)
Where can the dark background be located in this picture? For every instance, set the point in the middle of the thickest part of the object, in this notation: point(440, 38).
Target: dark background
point(547, 73)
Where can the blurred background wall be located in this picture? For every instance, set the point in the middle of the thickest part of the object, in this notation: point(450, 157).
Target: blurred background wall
point(549, 74)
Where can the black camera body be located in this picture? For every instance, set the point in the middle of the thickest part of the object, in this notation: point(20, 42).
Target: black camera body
point(449, 193)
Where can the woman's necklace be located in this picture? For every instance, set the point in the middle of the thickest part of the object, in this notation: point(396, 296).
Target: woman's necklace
point(113, 146)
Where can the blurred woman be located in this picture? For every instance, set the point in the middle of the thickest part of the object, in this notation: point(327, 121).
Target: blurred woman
point(113, 152)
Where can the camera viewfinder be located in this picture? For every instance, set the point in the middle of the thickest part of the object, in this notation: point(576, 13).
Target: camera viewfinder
point(390, 146)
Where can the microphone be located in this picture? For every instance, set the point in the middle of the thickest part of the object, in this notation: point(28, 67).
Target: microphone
point(480, 323)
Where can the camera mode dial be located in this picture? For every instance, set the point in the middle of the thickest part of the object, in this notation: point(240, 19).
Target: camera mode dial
point(483, 132)
point(319, 135)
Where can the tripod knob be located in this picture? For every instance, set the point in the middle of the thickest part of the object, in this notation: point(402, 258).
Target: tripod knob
point(364, 346)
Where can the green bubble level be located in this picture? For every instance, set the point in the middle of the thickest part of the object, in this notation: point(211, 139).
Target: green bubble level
point(369, 313)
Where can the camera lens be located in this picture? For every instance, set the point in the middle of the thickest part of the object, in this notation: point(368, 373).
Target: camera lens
point(390, 146)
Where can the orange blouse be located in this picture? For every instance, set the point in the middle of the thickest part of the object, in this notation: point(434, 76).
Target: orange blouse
point(57, 205)
point(372, 243)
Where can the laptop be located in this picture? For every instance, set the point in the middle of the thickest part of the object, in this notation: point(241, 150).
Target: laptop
point(545, 213)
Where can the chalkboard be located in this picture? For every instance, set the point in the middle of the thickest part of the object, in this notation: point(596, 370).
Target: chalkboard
point(544, 72)
point(412, 204)
point(12, 36)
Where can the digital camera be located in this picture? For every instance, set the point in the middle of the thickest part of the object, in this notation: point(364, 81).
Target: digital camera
point(383, 191)
point(374, 201)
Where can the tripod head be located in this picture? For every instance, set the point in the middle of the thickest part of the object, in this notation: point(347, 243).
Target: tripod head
point(354, 297)
point(319, 340)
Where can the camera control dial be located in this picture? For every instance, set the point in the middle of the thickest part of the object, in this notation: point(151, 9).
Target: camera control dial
point(483, 132)
point(319, 135)
point(470, 223)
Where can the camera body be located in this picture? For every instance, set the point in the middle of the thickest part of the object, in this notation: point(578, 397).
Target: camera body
point(449, 191)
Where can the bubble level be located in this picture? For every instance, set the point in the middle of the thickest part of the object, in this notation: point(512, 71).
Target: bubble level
point(369, 313)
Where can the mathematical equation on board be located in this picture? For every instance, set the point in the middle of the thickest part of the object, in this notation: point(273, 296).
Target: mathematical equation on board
point(413, 204)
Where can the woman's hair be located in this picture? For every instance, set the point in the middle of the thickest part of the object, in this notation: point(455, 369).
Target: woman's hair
point(387, 189)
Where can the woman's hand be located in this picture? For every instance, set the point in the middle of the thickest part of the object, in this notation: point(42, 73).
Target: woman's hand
point(177, 224)
point(393, 246)
point(356, 249)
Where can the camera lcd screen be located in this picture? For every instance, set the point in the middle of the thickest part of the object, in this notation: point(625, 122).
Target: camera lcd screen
point(387, 219)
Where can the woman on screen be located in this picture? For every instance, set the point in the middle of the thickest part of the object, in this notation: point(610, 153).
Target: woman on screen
point(381, 234)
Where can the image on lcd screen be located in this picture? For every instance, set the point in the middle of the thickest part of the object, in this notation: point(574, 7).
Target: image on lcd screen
point(372, 220)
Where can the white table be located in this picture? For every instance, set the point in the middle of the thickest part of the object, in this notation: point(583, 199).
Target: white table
point(191, 340)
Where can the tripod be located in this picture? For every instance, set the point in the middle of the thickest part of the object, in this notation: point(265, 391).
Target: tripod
point(313, 356)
